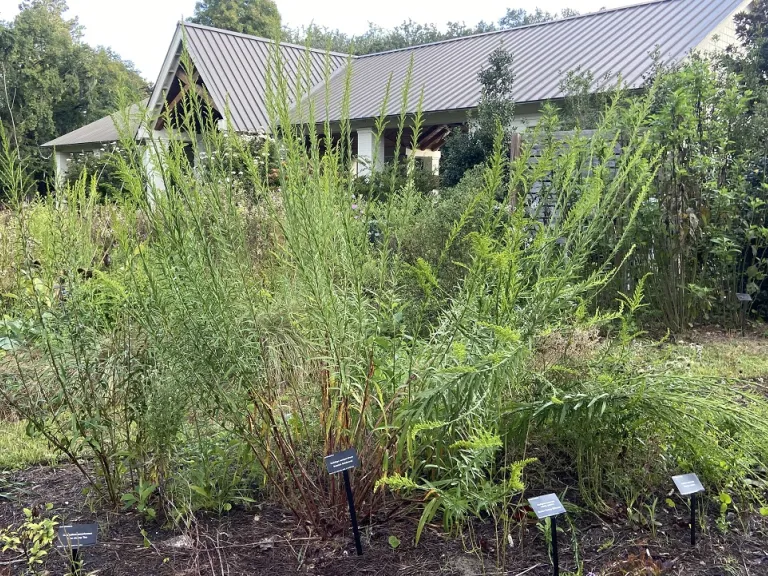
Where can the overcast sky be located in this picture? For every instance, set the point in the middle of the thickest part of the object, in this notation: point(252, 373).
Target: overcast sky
point(141, 30)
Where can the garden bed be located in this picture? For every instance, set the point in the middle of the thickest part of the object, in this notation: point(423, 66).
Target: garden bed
point(266, 540)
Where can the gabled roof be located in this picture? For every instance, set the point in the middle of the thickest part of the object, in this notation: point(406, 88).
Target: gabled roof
point(609, 42)
point(103, 130)
point(235, 67)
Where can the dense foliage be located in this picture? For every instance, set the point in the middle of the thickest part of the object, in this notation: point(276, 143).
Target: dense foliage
point(752, 29)
point(52, 83)
point(255, 17)
point(473, 144)
point(206, 344)
point(703, 237)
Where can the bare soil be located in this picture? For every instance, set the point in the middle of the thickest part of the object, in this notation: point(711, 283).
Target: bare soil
point(267, 540)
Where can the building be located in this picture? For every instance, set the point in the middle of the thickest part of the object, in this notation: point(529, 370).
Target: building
point(231, 72)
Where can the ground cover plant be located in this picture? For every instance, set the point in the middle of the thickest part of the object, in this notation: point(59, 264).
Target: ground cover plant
point(201, 346)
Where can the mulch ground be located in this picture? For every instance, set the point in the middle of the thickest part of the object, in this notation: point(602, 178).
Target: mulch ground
point(266, 540)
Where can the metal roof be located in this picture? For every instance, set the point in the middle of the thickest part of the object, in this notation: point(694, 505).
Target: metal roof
point(609, 42)
point(104, 129)
point(234, 68)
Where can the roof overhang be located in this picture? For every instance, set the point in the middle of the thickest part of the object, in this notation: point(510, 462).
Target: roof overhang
point(167, 73)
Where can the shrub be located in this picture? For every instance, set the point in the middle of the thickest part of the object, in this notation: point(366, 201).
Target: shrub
point(466, 148)
point(394, 178)
point(34, 538)
point(461, 152)
point(99, 168)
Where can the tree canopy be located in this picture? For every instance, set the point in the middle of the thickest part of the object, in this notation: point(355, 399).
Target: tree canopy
point(410, 33)
point(51, 82)
point(752, 29)
point(255, 17)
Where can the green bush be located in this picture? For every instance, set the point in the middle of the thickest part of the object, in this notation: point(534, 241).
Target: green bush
point(466, 148)
point(99, 169)
point(394, 178)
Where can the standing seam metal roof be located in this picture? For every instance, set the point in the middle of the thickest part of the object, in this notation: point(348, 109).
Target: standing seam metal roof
point(105, 129)
point(235, 69)
point(605, 43)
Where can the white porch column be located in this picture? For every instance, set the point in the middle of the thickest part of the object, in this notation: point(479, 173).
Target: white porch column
point(61, 165)
point(153, 148)
point(370, 152)
point(154, 142)
point(429, 158)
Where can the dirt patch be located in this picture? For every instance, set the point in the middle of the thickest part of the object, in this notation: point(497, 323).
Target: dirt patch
point(267, 540)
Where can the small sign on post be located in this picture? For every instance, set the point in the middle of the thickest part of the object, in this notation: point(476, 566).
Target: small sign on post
point(744, 300)
point(549, 506)
point(343, 462)
point(72, 537)
point(689, 485)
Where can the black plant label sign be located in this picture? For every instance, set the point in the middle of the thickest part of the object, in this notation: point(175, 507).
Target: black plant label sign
point(688, 484)
point(75, 536)
point(546, 506)
point(341, 461)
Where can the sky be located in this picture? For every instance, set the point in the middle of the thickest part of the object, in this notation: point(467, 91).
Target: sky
point(141, 30)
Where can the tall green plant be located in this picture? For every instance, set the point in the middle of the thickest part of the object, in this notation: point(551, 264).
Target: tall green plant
point(704, 216)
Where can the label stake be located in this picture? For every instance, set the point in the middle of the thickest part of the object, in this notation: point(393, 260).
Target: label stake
point(555, 561)
point(343, 462)
point(74, 567)
point(693, 519)
point(352, 513)
point(690, 485)
point(549, 506)
point(73, 537)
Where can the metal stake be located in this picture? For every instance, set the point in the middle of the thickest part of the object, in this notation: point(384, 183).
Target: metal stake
point(693, 519)
point(743, 306)
point(553, 536)
point(75, 566)
point(352, 513)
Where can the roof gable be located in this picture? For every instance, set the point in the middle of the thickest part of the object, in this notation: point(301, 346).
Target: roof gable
point(235, 69)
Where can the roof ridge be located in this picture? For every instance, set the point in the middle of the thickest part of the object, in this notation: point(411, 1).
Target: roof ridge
point(526, 26)
point(185, 23)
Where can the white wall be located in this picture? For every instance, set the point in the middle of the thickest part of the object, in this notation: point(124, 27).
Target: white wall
point(431, 158)
point(523, 121)
point(153, 150)
point(725, 34)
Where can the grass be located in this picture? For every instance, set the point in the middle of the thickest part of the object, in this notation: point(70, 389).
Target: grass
point(19, 451)
point(722, 356)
